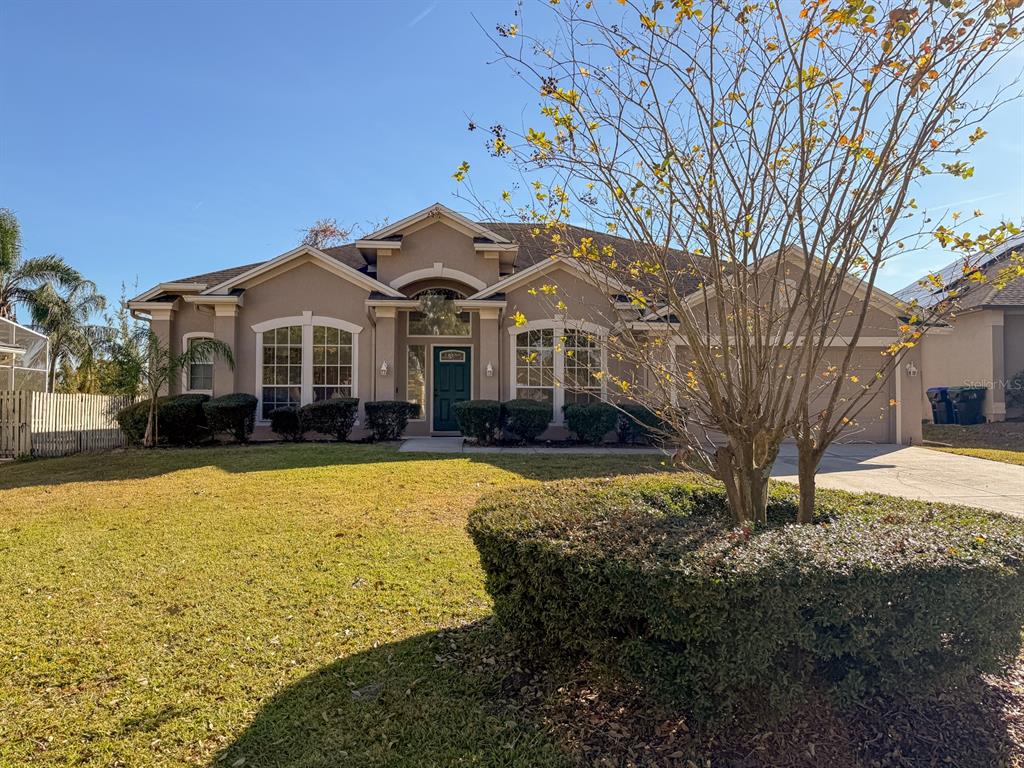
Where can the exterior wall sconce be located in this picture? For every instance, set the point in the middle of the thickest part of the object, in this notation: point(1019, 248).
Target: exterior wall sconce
point(911, 369)
point(385, 369)
point(490, 370)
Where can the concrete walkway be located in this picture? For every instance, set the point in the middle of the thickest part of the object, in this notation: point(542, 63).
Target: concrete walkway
point(458, 445)
point(915, 473)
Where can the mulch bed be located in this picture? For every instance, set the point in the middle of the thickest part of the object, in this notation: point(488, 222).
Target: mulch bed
point(603, 721)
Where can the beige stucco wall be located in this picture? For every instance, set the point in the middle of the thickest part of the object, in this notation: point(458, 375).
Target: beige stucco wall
point(975, 352)
point(306, 288)
point(437, 243)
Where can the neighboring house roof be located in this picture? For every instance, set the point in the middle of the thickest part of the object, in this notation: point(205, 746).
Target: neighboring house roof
point(973, 295)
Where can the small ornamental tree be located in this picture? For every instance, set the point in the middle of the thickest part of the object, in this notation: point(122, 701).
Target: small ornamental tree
point(156, 365)
point(761, 161)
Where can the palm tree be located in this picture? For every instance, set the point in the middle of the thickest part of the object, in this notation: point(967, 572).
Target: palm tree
point(63, 313)
point(19, 277)
point(153, 362)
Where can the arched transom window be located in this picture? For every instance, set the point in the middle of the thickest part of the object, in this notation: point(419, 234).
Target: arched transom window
point(305, 359)
point(557, 363)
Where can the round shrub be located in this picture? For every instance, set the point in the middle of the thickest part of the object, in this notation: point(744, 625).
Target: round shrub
point(648, 574)
point(132, 420)
point(526, 419)
point(387, 419)
point(180, 420)
point(590, 422)
point(479, 419)
point(234, 414)
point(334, 417)
point(637, 424)
point(289, 423)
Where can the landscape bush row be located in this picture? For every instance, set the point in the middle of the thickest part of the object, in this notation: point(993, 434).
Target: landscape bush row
point(525, 420)
point(193, 419)
point(385, 419)
point(880, 596)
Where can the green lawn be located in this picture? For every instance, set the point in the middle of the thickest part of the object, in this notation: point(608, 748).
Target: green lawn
point(998, 441)
point(258, 606)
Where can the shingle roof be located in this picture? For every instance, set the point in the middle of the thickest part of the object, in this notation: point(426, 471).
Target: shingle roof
point(347, 254)
point(532, 249)
point(536, 248)
point(974, 295)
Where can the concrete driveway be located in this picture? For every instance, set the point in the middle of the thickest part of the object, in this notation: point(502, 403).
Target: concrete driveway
point(916, 473)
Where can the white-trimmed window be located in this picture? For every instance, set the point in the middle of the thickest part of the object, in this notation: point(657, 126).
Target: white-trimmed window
point(535, 365)
point(582, 366)
point(332, 363)
point(198, 376)
point(304, 359)
point(558, 363)
point(281, 381)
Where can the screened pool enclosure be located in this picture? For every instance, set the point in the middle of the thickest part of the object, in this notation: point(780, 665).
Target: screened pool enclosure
point(23, 358)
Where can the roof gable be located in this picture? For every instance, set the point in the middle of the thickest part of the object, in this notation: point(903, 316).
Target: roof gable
point(431, 214)
point(302, 254)
point(542, 268)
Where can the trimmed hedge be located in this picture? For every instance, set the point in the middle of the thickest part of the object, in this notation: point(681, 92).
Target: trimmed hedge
point(590, 422)
point(180, 420)
point(637, 424)
point(289, 423)
point(479, 419)
point(234, 414)
point(333, 417)
point(387, 419)
point(526, 419)
point(881, 596)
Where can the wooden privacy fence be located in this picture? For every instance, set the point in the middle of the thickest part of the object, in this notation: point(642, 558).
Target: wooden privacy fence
point(49, 424)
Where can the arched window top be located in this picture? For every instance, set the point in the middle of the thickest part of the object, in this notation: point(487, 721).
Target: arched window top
point(307, 318)
point(450, 294)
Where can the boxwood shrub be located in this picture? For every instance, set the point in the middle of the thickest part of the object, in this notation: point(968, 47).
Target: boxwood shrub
point(637, 424)
point(334, 417)
point(526, 419)
point(234, 414)
point(480, 420)
point(289, 423)
point(880, 596)
point(180, 420)
point(387, 419)
point(590, 422)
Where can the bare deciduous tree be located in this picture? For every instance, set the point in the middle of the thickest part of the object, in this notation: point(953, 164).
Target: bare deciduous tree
point(764, 157)
point(324, 233)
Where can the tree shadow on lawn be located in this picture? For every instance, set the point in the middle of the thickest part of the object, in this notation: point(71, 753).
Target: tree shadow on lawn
point(465, 697)
point(138, 463)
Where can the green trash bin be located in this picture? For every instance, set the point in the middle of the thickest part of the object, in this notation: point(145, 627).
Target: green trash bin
point(967, 404)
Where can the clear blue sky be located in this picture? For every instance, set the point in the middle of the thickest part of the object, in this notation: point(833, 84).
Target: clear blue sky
point(152, 140)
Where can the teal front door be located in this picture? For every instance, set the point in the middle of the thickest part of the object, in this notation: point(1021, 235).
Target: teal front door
point(451, 385)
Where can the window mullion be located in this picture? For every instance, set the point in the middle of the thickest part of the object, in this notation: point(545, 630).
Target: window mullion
point(558, 391)
point(307, 364)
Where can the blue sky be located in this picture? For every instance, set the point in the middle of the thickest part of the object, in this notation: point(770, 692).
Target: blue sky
point(148, 141)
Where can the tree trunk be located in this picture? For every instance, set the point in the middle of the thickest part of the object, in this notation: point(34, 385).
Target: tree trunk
point(807, 467)
point(150, 438)
point(746, 482)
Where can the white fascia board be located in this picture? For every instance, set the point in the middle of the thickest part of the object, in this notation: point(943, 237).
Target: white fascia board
point(168, 288)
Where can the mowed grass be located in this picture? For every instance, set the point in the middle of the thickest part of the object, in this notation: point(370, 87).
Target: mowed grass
point(264, 605)
point(998, 441)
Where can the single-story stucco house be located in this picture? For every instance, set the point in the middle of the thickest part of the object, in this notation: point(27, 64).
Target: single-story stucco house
point(310, 324)
point(982, 343)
